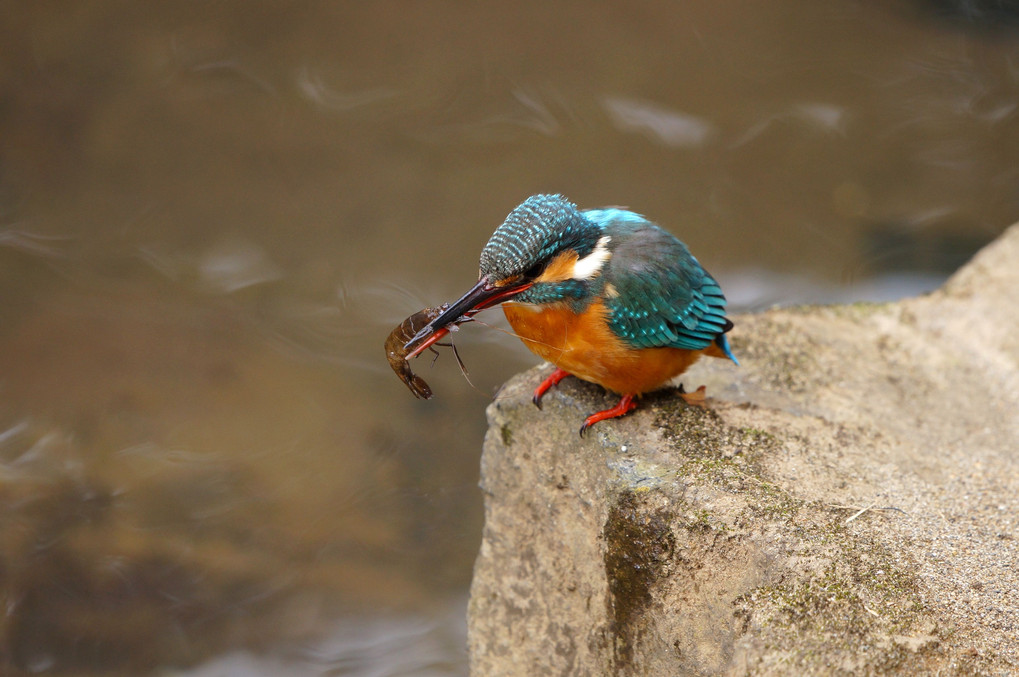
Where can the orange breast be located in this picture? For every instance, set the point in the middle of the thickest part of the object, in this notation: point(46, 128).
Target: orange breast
point(585, 346)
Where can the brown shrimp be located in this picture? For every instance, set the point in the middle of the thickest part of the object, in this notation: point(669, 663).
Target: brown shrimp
point(396, 349)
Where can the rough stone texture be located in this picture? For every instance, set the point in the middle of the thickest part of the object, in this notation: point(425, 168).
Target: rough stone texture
point(733, 539)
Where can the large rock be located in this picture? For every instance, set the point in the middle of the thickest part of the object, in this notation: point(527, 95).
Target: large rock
point(847, 502)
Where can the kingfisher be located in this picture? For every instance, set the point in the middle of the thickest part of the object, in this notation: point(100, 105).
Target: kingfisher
point(604, 295)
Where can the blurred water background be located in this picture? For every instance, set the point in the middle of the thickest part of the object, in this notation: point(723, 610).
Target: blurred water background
point(212, 214)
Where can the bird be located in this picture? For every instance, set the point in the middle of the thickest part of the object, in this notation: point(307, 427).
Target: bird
point(605, 295)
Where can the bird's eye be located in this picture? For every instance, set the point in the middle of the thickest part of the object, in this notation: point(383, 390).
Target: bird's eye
point(533, 272)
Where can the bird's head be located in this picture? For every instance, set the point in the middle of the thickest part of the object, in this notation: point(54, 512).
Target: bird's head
point(545, 251)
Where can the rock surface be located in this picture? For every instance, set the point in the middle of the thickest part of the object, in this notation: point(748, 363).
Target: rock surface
point(846, 503)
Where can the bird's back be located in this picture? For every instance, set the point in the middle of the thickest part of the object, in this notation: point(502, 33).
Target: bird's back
point(656, 293)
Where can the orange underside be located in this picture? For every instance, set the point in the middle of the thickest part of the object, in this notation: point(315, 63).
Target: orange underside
point(585, 346)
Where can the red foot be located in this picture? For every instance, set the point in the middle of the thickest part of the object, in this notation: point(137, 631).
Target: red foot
point(625, 406)
point(547, 384)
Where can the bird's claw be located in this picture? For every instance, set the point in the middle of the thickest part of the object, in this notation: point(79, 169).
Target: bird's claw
point(546, 385)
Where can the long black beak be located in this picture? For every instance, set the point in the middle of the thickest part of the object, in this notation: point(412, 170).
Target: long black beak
point(482, 295)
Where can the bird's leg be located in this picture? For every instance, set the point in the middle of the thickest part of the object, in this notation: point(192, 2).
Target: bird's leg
point(547, 384)
point(626, 405)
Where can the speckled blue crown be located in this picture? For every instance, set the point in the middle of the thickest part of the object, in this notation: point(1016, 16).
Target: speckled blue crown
point(534, 231)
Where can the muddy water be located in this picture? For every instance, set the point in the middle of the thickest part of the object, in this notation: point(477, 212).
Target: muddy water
point(212, 215)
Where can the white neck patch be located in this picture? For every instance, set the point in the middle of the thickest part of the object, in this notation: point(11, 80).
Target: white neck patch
point(591, 265)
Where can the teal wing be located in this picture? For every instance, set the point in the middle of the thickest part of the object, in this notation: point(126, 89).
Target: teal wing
point(658, 294)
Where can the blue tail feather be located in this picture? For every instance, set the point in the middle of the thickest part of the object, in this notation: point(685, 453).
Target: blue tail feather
point(722, 342)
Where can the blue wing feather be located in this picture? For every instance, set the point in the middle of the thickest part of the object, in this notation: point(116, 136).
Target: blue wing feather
point(660, 295)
